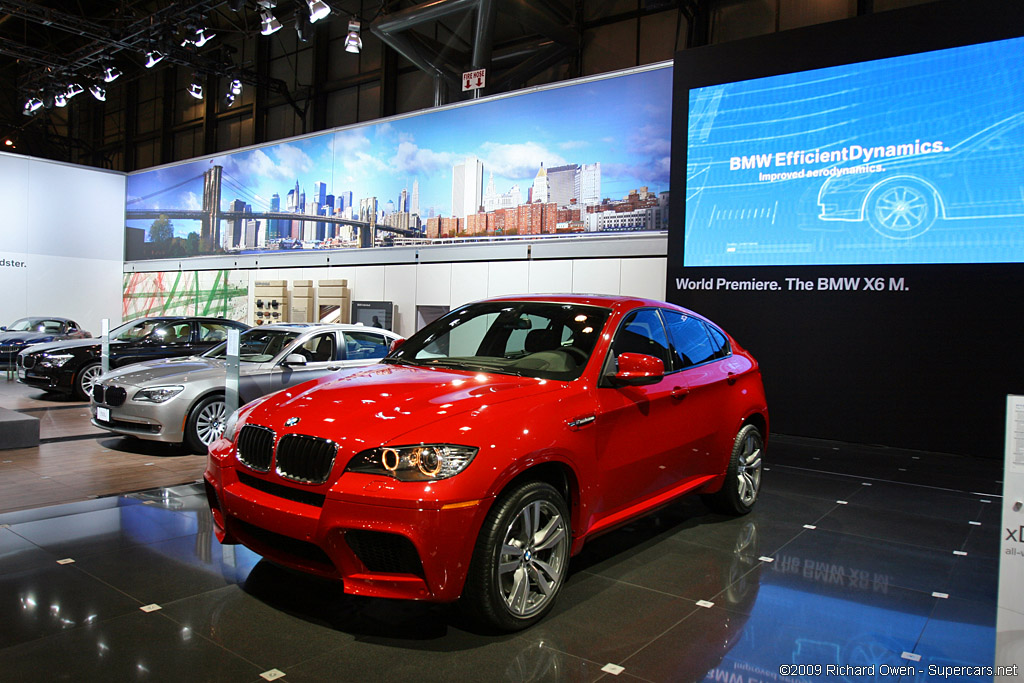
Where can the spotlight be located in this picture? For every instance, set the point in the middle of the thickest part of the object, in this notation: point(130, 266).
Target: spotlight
point(230, 97)
point(32, 105)
point(99, 92)
point(303, 27)
point(195, 88)
point(153, 57)
point(270, 24)
point(73, 89)
point(60, 100)
point(235, 87)
point(318, 9)
point(111, 74)
point(201, 37)
point(353, 43)
point(10, 143)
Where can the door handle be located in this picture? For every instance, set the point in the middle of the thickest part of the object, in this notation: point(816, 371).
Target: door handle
point(680, 393)
point(332, 368)
point(731, 378)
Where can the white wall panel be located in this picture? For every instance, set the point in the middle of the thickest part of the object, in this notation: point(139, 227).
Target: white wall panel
point(400, 288)
point(644, 277)
point(596, 276)
point(549, 277)
point(469, 282)
point(434, 284)
point(367, 283)
point(507, 277)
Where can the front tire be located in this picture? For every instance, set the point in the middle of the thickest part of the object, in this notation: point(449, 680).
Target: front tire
point(743, 476)
point(205, 423)
point(901, 210)
point(86, 380)
point(520, 560)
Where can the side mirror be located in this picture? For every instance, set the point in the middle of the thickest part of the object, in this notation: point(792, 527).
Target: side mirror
point(395, 343)
point(637, 369)
point(294, 359)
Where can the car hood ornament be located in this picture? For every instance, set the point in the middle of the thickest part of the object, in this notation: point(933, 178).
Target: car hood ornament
point(291, 422)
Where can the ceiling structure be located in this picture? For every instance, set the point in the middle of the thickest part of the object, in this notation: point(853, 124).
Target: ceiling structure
point(54, 52)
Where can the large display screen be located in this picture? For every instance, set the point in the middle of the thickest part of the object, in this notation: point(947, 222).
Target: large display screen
point(910, 159)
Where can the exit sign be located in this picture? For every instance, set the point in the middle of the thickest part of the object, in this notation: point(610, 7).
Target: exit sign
point(474, 80)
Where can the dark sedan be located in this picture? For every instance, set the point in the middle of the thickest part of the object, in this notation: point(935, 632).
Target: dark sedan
point(72, 367)
point(26, 331)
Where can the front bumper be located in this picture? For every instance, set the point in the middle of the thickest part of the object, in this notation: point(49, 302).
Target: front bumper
point(151, 421)
point(377, 544)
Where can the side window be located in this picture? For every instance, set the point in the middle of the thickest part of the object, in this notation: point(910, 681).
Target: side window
point(691, 344)
point(719, 342)
point(173, 333)
point(642, 332)
point(212, 332)
point(319, 348)
point(363, 345)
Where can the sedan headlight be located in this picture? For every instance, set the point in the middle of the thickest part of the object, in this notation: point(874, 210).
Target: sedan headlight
point(158, 394)
point(54, 360)
point(424, 462)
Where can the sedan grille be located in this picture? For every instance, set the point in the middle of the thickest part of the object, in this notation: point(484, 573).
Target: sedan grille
point(305, 459)
point(111, 396)
point(256, 447)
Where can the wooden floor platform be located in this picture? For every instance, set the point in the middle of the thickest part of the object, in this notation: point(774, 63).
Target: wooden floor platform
point(77, 461)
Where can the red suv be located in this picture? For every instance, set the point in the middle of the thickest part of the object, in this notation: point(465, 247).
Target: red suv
point(484, 451)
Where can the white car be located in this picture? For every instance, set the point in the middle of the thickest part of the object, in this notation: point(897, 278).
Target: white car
point(181, 400)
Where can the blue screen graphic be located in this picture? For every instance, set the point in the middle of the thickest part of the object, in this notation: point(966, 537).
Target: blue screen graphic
point(913, 159)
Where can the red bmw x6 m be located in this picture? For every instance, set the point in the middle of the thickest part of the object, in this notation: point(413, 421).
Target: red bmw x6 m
point(482, 453)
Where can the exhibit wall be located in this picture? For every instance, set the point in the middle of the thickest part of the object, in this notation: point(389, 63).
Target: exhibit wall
point(409, 286)
point(853, 213)
point(587, 156)
point(62, 241)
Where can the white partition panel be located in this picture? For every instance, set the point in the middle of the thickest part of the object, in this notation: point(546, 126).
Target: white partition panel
point(400, 289)
point(596, 276)
point(507, 277)
point(551, 276)
point(644, 277)
point(434, 284)
point(469, 282)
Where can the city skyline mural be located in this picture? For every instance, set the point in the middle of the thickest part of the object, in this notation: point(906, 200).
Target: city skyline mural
point(587, 157)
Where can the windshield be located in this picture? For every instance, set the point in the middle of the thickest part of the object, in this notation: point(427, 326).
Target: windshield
point(35, 325)
point(256, 345)
point(524, 338)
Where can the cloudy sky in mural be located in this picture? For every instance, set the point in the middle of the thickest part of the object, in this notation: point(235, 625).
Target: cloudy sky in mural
point(621, 122)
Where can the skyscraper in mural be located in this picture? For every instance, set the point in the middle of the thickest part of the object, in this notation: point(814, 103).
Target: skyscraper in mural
point(467, 187)
point(588, 184)
point(539, 195)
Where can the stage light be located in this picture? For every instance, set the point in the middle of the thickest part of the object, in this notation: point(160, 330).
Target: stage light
point(195, 88)
point(201, 37)
point(73, 89)
point(99, 92)
point(153, 57)
point(32, 105)
point(235, 87)
point(353, 43)
point(318, 9)
point(111, 74)
point(269, 23)
point(60, 100)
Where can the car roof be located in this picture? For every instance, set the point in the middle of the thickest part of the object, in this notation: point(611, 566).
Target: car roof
point(603, 300)
point(345, 327)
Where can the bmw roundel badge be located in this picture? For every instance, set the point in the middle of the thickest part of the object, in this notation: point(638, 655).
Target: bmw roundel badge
point(291, 422)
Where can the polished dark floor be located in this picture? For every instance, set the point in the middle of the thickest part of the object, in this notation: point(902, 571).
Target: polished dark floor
point(853, 556)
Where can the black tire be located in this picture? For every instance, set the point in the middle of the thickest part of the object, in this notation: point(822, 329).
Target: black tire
point(85, 379)
point(742, 477)
point(201, 428)
point(509, 591)
point(901, 209)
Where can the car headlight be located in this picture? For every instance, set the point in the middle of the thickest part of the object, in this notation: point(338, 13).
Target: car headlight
point(424, 462)
point(158, 394)
point(54, 360)
point(231, 426)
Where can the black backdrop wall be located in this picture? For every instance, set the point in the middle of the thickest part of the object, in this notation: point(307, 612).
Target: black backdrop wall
point(918, 356)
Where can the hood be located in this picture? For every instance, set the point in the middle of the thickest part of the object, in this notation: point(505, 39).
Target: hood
point(26, 337)
point(168, 371)
point(65, 344)
point(387, 401)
